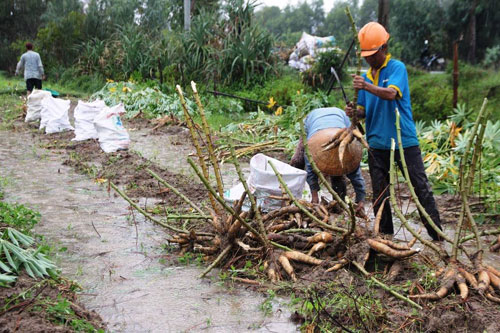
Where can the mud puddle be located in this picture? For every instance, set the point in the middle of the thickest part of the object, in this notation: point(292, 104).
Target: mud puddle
point(120, 261)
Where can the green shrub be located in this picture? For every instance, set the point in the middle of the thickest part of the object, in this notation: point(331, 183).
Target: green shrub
point(281, 88)
point(318, 76)
point(492, 57)
point(431, 97)
point(18, 216)
point(431, 94)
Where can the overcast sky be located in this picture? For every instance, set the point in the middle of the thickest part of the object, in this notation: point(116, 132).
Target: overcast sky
point(328, 4)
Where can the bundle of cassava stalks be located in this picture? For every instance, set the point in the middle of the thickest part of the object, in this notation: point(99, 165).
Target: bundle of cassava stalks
point(301, 237)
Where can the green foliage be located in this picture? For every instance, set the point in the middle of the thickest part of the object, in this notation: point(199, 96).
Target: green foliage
point(431, 94)
point(430, 101)
point(262, 127)
point(443, 144)
point(492, 57)
point(18, 216)
point(18, 21)
point(318, 76)
point(136, 98)
point(414, 21)
point(16, 253)
point(55, 41)
point(75, 83)
point(60, 312)
point(267, 305)
point(227, 48)
point(426, 276)
point(355, 310)
point(282, 89)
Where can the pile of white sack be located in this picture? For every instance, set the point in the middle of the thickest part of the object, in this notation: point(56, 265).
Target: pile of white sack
point(93, 120)
point(306, 50)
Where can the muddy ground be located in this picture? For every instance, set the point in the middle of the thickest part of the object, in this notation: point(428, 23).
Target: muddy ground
point(47, 306)
point(127, 269)
point(164, 151)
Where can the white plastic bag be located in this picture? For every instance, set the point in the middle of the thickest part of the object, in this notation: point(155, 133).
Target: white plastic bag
point(234, 194)
point(307, 49)
point(263, 181)
point(111, 133)
point(35, 104)
point(85, 113)
point(54, 115)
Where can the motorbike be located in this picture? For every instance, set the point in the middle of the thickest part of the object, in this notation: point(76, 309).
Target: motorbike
point(431, 62)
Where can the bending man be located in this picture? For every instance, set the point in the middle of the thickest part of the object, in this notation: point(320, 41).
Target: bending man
point(316, 121)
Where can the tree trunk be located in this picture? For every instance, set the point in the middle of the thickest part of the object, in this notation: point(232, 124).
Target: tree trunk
point(471, 54)
point(187, 15)
point(383, 13)
point(455, 74)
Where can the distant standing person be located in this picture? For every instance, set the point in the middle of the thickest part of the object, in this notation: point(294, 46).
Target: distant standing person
point(33, 68)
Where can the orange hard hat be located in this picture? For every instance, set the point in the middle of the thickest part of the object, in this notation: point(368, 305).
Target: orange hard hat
point(371, 37)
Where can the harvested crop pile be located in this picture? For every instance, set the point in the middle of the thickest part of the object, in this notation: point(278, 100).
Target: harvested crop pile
point(304, 242)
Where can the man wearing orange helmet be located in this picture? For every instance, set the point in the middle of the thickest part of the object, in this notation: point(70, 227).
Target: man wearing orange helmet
point(381, 90)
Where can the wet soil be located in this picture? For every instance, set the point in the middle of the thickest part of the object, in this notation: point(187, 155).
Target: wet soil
point(30, 314)
point(123, 262)
point(448, 315)
point(168, 150)
point(125, 168)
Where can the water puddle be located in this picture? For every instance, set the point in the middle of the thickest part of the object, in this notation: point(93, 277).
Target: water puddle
point(118, 258)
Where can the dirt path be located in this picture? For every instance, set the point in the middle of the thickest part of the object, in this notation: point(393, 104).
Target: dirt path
point(118, 262)
point(171, 150)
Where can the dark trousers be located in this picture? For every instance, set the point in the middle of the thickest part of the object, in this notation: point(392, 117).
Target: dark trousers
point(379, 163)
point(33, 83)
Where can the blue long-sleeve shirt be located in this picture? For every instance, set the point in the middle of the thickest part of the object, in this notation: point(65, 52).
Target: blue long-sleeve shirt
point(323, 118)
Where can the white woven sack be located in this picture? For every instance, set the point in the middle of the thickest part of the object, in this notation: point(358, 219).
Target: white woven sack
point(263, 181)
point(111, 133)
point(34, 104)
point(54, 115)
point(85, 113)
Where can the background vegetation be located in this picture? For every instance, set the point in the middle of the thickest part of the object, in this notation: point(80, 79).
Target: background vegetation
point(238, 47)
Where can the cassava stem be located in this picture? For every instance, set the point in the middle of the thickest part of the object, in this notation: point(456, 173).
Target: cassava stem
point(421, 208)
point(196, 143)
point(296, 202)
point(250, 195)
point(392, 175)
point(221, 256)
point(463, 188)
point(210, 145)
point(176, 191)
point(385, 287)
point(354, 119)
point(143, 212)
point(224, 204)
